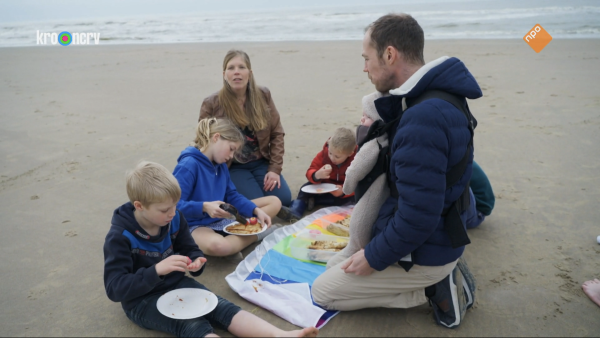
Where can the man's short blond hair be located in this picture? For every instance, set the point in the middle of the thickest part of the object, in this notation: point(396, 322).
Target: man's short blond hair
point(150, 183)
point(343, 139)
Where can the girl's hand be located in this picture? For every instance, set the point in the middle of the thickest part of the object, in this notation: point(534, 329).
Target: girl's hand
point(262, 217)
point(271, 181)
point(197, 264)
point(172, 263)
point(213, 210)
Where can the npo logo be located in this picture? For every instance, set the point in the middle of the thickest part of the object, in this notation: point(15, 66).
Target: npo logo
point(66, 38)
point(537, 38)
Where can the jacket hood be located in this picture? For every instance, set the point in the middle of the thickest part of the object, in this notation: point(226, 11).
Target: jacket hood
point(446, 73)
point(194, 153)
point(123, 217)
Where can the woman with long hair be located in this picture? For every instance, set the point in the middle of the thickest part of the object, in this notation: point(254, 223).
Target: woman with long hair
point(256, 168)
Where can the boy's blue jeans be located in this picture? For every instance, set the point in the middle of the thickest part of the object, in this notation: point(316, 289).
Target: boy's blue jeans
point(146, 315)
point(249, 179)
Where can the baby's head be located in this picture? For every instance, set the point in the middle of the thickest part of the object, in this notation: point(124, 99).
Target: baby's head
point(370, 114)
point(341, 145)
point(154, 190)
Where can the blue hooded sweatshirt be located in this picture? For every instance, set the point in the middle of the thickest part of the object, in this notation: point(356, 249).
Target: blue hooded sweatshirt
point(202, 181)
point(430, 139)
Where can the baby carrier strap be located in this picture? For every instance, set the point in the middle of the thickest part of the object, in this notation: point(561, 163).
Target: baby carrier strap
point(452, 223)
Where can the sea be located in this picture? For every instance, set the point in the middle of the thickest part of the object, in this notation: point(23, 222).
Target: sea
point(449, 19)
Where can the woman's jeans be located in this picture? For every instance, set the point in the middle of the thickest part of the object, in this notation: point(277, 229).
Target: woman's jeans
point(249, 179)
point(146, 315)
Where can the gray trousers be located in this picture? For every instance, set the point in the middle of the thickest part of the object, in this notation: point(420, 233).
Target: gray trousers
point(391, 288)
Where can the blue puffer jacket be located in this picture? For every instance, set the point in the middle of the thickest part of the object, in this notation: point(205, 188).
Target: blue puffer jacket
point(430, 139)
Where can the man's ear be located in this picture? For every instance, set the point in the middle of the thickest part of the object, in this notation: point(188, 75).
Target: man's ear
point(138, 205)
point(391, 55)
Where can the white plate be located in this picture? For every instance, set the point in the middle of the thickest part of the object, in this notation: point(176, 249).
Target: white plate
point(186, 303)
point(319, 188)
point(234, 223)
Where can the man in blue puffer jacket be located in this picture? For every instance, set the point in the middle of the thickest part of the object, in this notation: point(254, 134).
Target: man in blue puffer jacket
point(410, 258)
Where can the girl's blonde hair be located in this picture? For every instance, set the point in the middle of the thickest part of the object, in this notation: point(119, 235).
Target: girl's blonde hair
point(255, 115)
point(208, 127)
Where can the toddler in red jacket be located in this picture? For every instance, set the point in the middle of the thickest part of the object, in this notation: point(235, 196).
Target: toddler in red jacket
point(329, 166)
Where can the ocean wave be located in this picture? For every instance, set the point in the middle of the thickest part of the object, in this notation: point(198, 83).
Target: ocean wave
point(560, 21)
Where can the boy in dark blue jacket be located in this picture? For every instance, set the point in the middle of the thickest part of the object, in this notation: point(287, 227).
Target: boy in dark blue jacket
point(147, 251)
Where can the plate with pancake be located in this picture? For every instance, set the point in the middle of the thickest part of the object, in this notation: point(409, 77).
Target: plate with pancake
point(238, 229)
point(321, 188)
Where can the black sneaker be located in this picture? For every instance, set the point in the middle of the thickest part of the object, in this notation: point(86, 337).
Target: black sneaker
point(449, 300)
point(311, 204)
point(287, 215)
point(468, 282)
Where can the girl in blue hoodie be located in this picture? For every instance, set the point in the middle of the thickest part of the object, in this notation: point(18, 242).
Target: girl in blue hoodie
point(205, 184)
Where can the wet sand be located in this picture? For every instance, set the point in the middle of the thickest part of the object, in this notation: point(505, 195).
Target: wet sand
point(74, 119)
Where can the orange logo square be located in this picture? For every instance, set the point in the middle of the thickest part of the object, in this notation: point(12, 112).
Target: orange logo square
point(537, 38)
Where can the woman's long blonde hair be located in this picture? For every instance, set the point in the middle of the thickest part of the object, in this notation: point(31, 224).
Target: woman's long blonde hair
point(256, 115)
point(208, 127)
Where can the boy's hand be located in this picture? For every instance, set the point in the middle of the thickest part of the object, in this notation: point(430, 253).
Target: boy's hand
point(262, 216)
point(172, 263)
point(213, 210)
point(339, 192)
point(323, 173)
point(196, 265)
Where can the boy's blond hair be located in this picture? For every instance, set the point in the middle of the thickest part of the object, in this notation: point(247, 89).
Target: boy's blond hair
point(150, 183)
point(343, 139)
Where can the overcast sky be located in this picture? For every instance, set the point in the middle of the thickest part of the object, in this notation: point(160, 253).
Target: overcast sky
point(39, 10)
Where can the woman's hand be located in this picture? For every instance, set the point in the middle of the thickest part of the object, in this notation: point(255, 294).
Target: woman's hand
point(262, 216)
point(272, 180)
point(213, 210)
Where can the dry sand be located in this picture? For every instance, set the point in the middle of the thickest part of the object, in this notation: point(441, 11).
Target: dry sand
point(74, 119)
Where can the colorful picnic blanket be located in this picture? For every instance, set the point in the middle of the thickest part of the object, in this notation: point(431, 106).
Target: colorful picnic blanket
point(271, 277)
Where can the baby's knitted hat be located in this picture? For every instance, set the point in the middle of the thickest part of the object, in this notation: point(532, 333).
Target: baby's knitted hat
point(368, 103)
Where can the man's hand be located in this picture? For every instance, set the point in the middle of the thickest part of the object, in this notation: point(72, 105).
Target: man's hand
point(262, 216)
point(196, 265)
point(271, 181)
point(358, 264)
point(213, 210)
point(323, 173)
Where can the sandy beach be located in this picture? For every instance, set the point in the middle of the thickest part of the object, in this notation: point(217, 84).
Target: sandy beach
point(74, 119)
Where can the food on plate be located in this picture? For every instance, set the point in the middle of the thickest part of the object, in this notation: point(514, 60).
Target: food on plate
point(241, 229)
point(341, 227)
point(319, 189)
point(338, 230)
point(327, 245)
point(252, 220)
point(344, 222)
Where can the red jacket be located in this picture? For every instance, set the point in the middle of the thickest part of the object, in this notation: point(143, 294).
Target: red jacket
point(338, 173)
